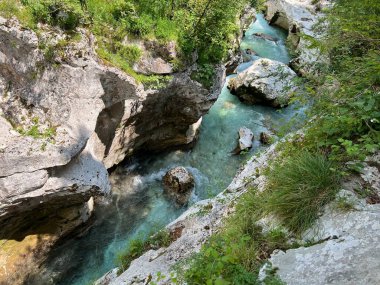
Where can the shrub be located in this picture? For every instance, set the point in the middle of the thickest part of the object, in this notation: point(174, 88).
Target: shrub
point(130, 53)
point(166, 30)
point(10, 8)
point(142, 25)
point(346, 117)
point(204, 75)
point(66, 14)
point(217, 263)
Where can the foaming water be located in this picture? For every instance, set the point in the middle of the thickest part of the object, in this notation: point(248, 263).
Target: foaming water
point(138, 204)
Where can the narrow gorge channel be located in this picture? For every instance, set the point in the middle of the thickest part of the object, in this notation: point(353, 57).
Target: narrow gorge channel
point(138, 204)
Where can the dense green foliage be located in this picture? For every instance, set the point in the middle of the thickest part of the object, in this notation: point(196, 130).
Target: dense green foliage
point(346, 107)
point(205, 26)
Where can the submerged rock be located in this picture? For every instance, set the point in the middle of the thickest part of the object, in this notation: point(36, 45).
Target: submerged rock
point(178, 184)
point(266, 82)
point(250, 51)
point(265, 37)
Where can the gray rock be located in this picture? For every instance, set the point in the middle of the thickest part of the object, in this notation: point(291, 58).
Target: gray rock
point(371, 172)
point(250, 51)
point(63, 124)
point(245, 140)
point(347, 248)
point(298, 17)
point(265, 37)
point(265, 82)
point(178, 183)
point(156, 57)
point(79, 112)
point(351, 254)
point(234, 61)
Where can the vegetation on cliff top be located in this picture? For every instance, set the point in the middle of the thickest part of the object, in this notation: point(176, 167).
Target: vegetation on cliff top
point(346, 92)
point(205, 26)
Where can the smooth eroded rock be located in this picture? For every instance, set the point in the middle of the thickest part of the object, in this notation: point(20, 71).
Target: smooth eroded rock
point(349, 255)
point(265, 37)
point(265, 82)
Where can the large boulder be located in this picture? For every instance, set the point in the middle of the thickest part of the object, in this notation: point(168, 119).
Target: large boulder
point(265, 37)
point(178, 184)
point(266, 82)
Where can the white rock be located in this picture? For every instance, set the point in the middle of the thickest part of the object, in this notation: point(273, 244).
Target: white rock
point(265, 82)
point(245, 138)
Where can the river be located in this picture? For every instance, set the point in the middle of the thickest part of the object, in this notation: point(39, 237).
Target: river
point(138, 204)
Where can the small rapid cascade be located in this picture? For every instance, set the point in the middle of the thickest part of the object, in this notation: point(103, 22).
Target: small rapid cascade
point(138, 204)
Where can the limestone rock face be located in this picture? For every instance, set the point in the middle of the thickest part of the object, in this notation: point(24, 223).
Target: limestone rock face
point(165, 118)
point(47, 157)
point(156, 57)
point(178, 183)
point(351, 255)
point(298, 17)
point(22, 252)
point(62, 126)
point(266, 82)
point(347, 249)
point(65, 118)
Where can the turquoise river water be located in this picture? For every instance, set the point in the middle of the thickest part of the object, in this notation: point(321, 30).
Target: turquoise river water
point(138, 204)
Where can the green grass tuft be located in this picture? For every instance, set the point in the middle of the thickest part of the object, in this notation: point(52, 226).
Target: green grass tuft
point(298, 189)
point(139, 246)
